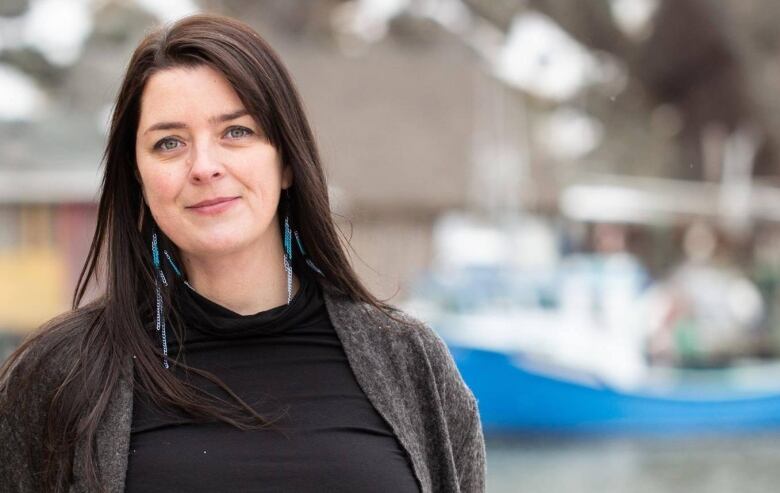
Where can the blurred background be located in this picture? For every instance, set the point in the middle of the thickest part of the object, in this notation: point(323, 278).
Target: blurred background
point(580, 197)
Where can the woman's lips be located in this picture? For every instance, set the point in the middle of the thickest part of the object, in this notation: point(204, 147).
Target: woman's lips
point(214, 206)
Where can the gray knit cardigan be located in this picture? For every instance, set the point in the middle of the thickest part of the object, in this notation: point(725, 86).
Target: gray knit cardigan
point(405, 371)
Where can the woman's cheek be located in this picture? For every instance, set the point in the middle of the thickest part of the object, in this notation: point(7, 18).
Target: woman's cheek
point(166, 186)
point(161, 205)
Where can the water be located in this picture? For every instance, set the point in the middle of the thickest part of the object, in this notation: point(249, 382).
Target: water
point(744, 464)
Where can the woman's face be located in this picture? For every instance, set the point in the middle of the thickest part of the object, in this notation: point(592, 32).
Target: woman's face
point(210, 177)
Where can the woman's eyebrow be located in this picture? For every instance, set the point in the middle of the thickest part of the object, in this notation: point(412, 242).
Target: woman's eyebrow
point(229, 116)
point(214, 119)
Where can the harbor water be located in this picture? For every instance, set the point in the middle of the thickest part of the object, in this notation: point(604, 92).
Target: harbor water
point(745, 464)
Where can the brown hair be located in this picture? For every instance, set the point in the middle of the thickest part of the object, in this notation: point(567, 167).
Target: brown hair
point(118, 324)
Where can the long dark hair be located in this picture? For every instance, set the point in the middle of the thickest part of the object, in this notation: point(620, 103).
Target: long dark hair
point(117, 324)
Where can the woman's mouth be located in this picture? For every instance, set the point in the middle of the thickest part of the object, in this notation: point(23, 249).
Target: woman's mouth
point(213, 206)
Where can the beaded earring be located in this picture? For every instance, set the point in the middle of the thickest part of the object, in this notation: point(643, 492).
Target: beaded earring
point(288, 250)
point(160, 278)
point(159, 316)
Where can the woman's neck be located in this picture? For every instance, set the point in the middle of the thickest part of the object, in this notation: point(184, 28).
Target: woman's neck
point(245, 282)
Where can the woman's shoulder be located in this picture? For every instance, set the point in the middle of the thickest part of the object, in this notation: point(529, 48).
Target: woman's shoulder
point(382, 320)
point(401, 325)
point(394, 333)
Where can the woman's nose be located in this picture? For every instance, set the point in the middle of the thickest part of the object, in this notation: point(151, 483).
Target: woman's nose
point(205, 165)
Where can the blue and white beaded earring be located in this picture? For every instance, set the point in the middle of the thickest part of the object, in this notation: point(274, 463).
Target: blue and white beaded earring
point(288, 246)
point(159, 276)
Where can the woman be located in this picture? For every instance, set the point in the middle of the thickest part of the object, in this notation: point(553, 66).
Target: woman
point(234, 348)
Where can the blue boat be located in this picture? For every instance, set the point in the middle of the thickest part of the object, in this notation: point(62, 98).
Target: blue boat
point(519, 395)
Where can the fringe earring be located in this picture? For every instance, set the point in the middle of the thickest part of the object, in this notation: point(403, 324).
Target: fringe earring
point(287, 258)
point(159, 315)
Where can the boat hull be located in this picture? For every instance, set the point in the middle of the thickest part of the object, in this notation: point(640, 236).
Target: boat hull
point(516, 395)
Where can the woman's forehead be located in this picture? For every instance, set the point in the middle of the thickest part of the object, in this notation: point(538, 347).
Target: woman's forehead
point(188, 93)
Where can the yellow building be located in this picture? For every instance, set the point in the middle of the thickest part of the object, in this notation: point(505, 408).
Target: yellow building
point(46, 224)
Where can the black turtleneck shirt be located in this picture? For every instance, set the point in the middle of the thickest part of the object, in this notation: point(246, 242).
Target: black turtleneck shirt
point(285, 362)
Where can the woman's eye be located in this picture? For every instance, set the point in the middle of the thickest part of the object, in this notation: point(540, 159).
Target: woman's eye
point(238, 132)
point(167, 144)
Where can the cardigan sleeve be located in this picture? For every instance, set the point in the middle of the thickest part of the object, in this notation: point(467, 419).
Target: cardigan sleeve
point(461, 412)
point(21, 428)
point(470, 455)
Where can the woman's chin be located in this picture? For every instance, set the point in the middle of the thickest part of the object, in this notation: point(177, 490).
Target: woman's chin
point(219, 239)
point(219, 245)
